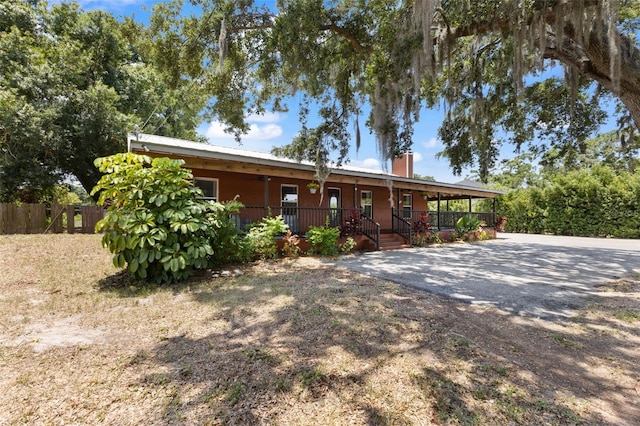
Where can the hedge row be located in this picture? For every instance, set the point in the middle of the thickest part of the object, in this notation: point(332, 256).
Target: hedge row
point(597, 202)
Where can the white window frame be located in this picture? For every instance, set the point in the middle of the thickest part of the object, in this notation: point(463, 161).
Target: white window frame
point(282, 201)
point(216, 196)
point(407, 208)
point(364, 206)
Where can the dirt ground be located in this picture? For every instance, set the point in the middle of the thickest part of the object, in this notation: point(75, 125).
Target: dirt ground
point(294, 342)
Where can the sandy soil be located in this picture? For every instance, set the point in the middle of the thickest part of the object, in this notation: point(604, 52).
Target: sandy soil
point(294, 342)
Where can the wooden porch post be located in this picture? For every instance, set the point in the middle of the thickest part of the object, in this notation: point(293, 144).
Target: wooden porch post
point(494, 210)
point(469, 203)
point(355, 195)
point(266, 196)
point(438, 218)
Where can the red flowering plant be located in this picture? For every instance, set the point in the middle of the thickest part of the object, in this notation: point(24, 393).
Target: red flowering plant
point(422, 234)
point(352, 224)
point(501, 221)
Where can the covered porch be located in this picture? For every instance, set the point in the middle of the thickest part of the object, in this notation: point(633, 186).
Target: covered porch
point(373, 203)
point(353, 222)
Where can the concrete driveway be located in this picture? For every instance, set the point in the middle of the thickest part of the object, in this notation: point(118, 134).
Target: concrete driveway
point(530, 275)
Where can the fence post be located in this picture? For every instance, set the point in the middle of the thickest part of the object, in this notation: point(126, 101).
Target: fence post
point(56, 218)
point(71, 225)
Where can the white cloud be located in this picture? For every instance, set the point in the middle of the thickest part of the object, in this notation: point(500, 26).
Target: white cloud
point(367, 163)
point(417, 157)
point(431, 143)
point(256, 132)
point(267, 117)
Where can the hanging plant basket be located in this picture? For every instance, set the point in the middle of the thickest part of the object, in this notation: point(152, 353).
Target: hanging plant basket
point(313, 187)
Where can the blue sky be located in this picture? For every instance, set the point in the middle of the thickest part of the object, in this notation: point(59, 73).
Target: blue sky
point(273, 129)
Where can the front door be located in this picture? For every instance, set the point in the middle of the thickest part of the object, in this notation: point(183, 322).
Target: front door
point(289, 197)
point(335, 207)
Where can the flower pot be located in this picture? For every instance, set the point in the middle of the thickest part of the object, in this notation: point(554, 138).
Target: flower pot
point(313, 190)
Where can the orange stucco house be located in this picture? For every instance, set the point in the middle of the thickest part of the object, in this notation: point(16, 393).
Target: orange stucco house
point(388, 203)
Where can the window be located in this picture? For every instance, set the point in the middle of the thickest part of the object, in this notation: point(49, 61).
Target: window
point(209, 188)
point(366, 203)
point(407, 205)
point(289, 197)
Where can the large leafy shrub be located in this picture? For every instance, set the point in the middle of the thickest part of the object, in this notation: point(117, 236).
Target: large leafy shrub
point(466, 225)
point(155, 224)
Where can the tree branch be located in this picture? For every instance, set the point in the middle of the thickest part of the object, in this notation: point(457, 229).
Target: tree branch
point(357, 46)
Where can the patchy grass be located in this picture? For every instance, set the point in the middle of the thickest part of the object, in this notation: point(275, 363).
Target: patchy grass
point(628, 316)
point(293, 342)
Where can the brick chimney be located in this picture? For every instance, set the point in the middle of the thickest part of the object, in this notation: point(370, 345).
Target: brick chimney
point(403, 166)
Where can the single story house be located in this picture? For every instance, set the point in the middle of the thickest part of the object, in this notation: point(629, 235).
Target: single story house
point(387, 205)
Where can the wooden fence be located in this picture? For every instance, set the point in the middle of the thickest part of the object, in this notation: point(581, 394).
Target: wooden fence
point(37, 218)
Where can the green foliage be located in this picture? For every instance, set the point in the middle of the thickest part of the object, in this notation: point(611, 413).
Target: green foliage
point(423, 239)
point(155, 224)
point(466, 225)
point(227, 243)
point(593, 202)
point(390, 57)
point(261, 238)
point(323, 240)
point(348, 245)
point(525, 208)
point(72, 84)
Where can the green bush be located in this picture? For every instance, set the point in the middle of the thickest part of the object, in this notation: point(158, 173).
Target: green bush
point(261, 238)
point(227, 243)
point(155, 223)
point(598, 202)
point(466, 225)
point(348, 245)
point(323, 240)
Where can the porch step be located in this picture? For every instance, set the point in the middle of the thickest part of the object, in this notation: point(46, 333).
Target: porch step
point(392, 242)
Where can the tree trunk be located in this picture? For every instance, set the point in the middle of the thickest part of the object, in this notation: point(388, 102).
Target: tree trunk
point(594, 61)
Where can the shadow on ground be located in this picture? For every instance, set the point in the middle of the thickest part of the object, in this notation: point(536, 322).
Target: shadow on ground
point(331, 347)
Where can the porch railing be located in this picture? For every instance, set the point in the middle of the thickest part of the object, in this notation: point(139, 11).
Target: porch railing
point(447, 219)
point(299, 219)
point(371, 229)
point(402, 224)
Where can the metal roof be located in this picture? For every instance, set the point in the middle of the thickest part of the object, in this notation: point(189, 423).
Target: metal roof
point(163, 144)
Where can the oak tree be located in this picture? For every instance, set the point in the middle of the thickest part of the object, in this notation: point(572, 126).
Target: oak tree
point(487, 63)
point(72, 84)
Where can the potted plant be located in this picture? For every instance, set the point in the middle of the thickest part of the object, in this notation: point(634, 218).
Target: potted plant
point(313, 187)
point(424, 195)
